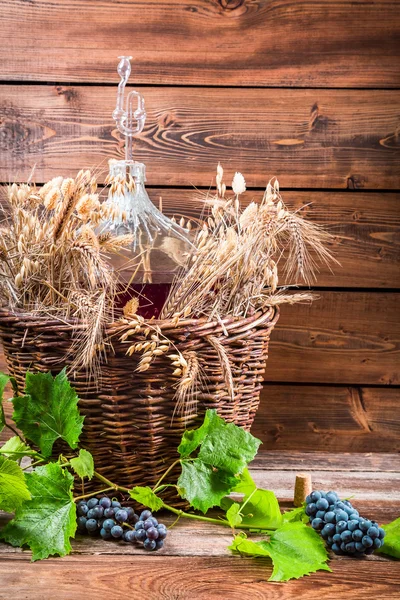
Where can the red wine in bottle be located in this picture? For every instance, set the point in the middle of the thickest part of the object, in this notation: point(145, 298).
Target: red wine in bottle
point(151, 296)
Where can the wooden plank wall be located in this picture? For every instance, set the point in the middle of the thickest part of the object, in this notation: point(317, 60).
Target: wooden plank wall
point(306, 91)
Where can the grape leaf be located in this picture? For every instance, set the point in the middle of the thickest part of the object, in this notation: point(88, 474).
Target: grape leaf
point(48, 411)
point(242, 545)
point(13, 487)
point(246, 484)
point(391, 541)
point(15, 448)
point(262, 510)
point(297, 514)
point(48, 521)
point(294, 548)
point(233, 515)
point(146, 496)
point(203, 486)
point(222, 445)
point(192, 438)
point(83, 464)
point(4, 379)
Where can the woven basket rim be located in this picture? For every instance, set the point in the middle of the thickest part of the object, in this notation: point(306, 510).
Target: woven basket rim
point(271, 314)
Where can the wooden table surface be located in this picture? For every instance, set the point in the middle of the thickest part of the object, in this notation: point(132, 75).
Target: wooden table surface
point(195, 563)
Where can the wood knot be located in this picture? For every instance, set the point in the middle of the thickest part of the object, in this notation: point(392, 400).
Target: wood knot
point(231, 4)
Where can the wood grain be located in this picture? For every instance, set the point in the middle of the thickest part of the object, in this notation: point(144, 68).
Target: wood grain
point(225, 42)
point(307, 138)
point(344, 337)
point(324, 418)
point(185, 578)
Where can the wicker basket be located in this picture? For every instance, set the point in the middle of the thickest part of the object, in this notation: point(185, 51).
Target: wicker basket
point(128, 415)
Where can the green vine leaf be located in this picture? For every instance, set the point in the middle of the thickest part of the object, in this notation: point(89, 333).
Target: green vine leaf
point(15, 448)
point(13, 488)
point(83, 464)
point(203, 486)
point(262, 511)
point(146, 496)
point(246, 484)
point(48, 411)
point(4, 379)
point(222, 445)
point(297, 514)
point(294, 548)
point(391, 541)
point(47, 521)
point(233, 515)
point(192, 438)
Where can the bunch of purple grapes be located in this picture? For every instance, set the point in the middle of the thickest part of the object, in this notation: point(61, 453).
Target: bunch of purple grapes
point(341, 526)
point(109, 519)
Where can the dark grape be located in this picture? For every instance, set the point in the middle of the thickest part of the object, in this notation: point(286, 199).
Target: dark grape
point(92, 502)
point(350, 547)
point(162, 531)
point(332, 497)
point(145, 514)
point(330, 517)
point(148, 523)
point(95, 517)
point(82, 523)
point(360, 547)
point(320, 514)
point(340, 525)
point(130, 536)
point(117, 531)
point(108, 524)
point(346, 536)
point(91, 514)
point(315, 496)
point(358, 535)
point(365, 525)
point(121, 516)
point(352, 525)
point(82, 510)
point(322, 504)
point(105, 533)
point(140, 535)
point(152, 533)
point(91, 525)
point(317, 524)
point(341, 515)
point(97, 512)
point(373, 532)
point(105, 502)
point(367, 542)
point(149, 544)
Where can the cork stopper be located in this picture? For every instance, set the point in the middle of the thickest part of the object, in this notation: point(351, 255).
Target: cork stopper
point(302, 488)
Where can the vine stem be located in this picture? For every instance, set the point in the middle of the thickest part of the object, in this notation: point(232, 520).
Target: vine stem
point(186, 515)
point(13, 430)
point(93, 493)
point(166, 473)
point(114, 486)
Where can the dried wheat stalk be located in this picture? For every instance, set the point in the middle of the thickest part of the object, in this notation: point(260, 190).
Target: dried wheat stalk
point(52, 262)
